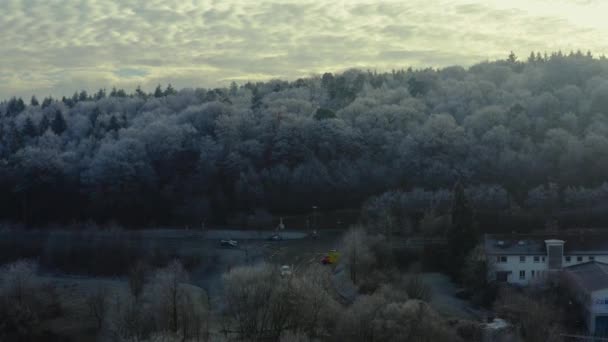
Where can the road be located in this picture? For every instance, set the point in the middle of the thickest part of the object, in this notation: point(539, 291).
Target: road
point(296, 248)
point(444, 298)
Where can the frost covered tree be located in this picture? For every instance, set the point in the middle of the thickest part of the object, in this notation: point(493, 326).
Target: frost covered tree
point(168, 283)
point(335, 138)
point(462, 235)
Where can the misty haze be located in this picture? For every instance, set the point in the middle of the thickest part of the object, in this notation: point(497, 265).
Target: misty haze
point(303, 171)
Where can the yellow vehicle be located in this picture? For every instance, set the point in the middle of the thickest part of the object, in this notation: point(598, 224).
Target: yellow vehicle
point(331, 258)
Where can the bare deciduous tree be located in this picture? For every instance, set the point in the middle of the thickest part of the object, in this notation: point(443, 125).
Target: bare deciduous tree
point(294, 337)
point(536, 317)
point(316, 308)
point(416, 288)
point(127, 320)
point(387, 316)
point(24, 302)
point(194, 316)
point(137, 278)
point(412, 320)
point(356, 252)
point(247, 292)
point(97, 303)
point(170, 293)
point(19, 279)
point(263, 305)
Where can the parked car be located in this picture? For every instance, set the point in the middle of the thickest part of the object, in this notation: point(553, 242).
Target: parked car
point(229, 243)
point(285, 270)
point(275, 237)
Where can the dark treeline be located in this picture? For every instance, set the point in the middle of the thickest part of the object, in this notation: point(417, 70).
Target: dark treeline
point(534, 132)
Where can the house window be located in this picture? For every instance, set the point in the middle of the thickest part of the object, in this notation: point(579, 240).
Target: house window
point(567, 259)
point(532, 273)
point(543, 259)
point(536, 259)
point(501, 259)
point(591, 258)
point(522, 275)
point(522, 259)
point(502, 276)
point(579, 258)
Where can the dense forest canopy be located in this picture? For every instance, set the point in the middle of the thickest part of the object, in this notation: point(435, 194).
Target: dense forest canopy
point(533, 132)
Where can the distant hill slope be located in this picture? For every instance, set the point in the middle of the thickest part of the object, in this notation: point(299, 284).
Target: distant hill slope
point(186, 156)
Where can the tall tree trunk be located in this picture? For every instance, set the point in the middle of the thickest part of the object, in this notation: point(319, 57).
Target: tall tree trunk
point(174, 318)
point(24, 208)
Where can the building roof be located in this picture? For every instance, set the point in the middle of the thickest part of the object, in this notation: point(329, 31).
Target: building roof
point(513, 244)
point(591, 276)
point(576, 242)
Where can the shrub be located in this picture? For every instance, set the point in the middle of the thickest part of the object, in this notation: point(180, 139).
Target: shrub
point(418, 289)
point(24, 302)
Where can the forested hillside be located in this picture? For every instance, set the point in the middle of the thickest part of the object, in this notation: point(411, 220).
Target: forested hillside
point(535, 132)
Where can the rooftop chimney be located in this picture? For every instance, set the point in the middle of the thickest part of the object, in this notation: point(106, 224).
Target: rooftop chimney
point(555, 253)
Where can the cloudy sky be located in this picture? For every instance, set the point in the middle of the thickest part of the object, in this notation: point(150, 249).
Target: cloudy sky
point(59, 46)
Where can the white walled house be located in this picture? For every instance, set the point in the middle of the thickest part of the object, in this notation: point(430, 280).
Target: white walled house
point(523, 259)
point(589, 284)
point(579, 257)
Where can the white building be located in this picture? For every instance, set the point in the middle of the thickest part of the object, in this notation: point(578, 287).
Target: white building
point(580, 257)
point(589, 284)
point(524, 259)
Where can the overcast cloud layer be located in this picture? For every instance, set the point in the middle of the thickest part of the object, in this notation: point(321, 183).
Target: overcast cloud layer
point(59, 46)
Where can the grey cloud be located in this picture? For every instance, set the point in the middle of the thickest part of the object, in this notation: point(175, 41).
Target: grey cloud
point(428, 57)
point(400, 31)
point(149, 62)
point(162, 15)
point(386, 9)
point(470, 8)
point(215, 15)
point(130, 72)
point(57, 46)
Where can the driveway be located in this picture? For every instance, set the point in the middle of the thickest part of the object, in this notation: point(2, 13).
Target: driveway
point(444, 298)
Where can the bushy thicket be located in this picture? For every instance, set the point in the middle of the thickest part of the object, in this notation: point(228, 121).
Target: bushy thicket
point(167, 309)
point(537, 314)
point(333, 140)
point(25, 303)
point(263, 306)
point(425, 212)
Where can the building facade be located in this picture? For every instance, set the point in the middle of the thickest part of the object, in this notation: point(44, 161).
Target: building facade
point(523, 259)
point(580, 258)
point(588, 283)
